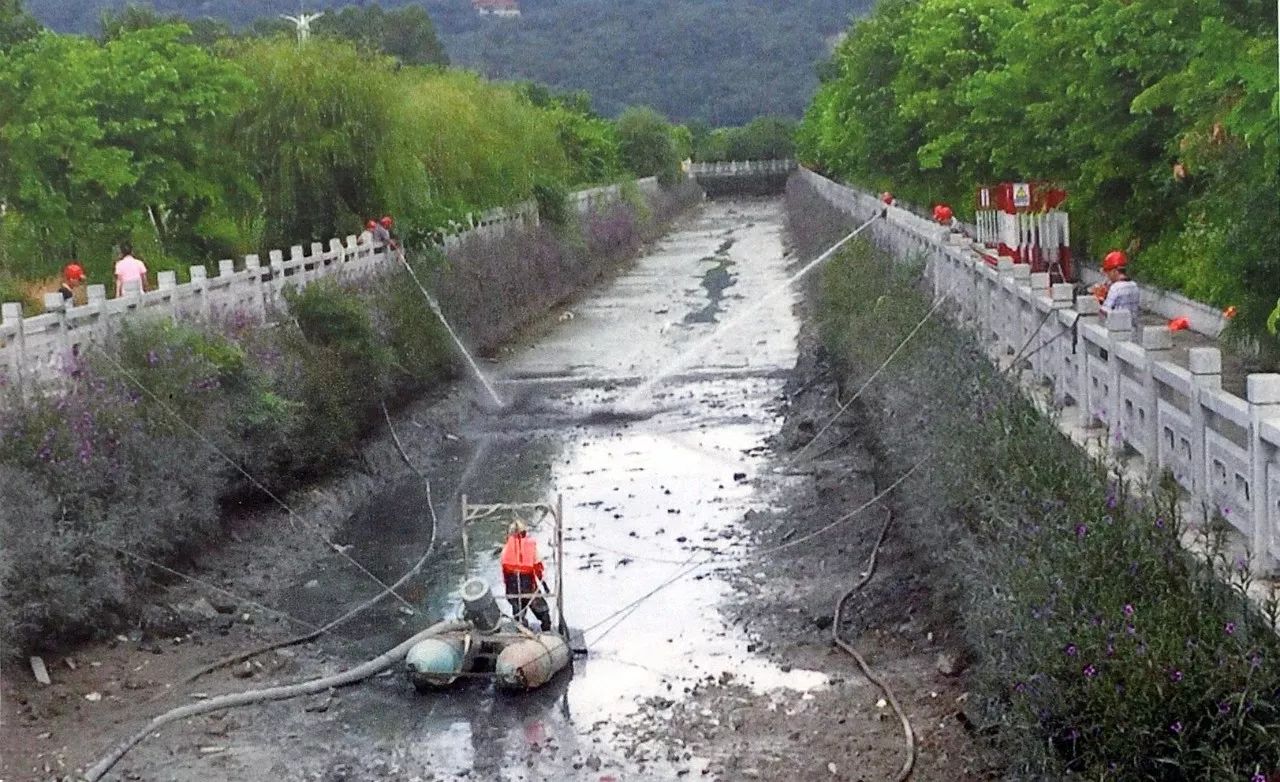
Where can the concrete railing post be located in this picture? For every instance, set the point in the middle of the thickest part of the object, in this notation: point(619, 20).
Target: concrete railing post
point(1157, 341)
point(11, 319)
point(261, 296)
point(996, 315)
point(132, 294)
point(55, 305)
point(276, 259)
point(200, 288)
point(167, 283)
point(1205, 365)
point(228, 295)
point(1119, 326)
point(1263, 394)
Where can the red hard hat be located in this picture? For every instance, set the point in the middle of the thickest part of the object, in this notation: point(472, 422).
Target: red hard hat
point(1116, 259)
point(73, 272)
point(1180, 324)
point(943, 213)
point(387, 222)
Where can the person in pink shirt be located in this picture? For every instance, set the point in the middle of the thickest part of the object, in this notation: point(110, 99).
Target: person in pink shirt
point(129, 269)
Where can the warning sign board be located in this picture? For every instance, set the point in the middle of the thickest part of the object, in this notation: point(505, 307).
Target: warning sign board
point(1021, 195)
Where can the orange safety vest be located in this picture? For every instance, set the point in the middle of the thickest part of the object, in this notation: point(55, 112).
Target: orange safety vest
point(520, 555)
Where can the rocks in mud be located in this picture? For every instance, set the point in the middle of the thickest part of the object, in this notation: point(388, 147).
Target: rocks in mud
point(949, 664)
point(223, 604)
point(164, 622)
point(200, 608)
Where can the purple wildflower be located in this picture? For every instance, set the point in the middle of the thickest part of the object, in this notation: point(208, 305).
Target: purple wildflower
point(1071, 650)
point(1131, 630)
point(1224, 708)
point(1090, 671)
point(1258, 776)
point(1229, 628)
point(1159, 522)
point(1081, 531)
point(1175, 676)
point(1176, 727)
point(1128, 609)
point(1020, 687)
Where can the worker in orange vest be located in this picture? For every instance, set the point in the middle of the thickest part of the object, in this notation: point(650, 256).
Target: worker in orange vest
point(522, 574)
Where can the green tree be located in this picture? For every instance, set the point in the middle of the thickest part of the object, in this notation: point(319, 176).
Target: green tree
point(406, 34)
point(646, 145)
point(104, 141)
point(316, 137)
point(16, 25)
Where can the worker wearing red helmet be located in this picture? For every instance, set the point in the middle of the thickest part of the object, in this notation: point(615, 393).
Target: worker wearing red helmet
point(1119, 292)
point(72, 278)
point(381, 233)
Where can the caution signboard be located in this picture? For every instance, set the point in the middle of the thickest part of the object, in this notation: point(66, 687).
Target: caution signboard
point(1021, 195)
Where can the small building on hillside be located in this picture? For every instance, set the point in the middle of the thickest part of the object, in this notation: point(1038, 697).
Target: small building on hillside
point(496, 7)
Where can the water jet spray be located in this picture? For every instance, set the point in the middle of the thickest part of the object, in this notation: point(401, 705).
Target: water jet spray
point(435, 307)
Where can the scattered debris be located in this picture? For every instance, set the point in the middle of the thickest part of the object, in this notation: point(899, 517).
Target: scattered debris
point(41, 673)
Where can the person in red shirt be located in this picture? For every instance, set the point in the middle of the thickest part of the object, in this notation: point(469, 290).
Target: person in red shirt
point(521, 575)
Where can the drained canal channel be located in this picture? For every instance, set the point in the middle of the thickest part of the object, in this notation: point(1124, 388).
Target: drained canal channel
point(709, 653)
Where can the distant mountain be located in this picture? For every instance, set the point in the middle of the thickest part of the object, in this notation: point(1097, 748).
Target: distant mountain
point(722, 62)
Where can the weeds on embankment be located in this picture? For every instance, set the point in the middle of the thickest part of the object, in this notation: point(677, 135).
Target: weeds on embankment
point(125, 459)
point(1103, 649)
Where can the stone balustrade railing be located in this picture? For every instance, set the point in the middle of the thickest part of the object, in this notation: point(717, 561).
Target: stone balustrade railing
point(742, 167)
point(36, 349)
point(1107, 375)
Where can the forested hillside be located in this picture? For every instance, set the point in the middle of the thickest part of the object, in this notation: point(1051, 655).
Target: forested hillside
point(1159, 116)
point(723, 62)
point(720, 61)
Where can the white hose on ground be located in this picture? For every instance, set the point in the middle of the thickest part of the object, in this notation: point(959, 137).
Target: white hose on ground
point(284, 692)
point(907, 731)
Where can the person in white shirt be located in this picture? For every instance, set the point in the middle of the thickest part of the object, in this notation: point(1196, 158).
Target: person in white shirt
point(129, 269)
point(1120, 292)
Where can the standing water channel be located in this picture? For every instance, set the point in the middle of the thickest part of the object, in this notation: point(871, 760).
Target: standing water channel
point(645, 496)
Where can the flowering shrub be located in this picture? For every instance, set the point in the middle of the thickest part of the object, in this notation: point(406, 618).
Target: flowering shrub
point(1103, 648)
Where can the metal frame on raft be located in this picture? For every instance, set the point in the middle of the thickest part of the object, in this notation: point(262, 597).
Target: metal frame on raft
point(493, 645)
point(535, 514)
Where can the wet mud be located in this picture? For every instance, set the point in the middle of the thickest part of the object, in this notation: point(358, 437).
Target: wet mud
point(706, 660)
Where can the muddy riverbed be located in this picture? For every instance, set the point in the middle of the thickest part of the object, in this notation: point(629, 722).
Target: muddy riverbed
point(706, 659)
